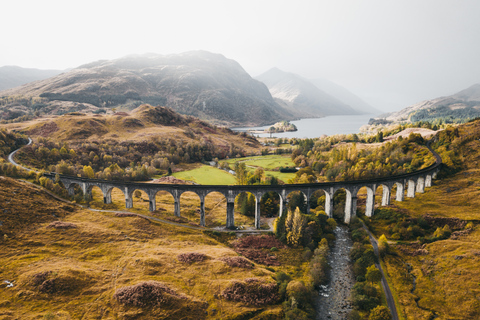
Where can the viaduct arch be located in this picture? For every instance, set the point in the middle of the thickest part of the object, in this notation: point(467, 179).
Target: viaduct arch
point(413, 183)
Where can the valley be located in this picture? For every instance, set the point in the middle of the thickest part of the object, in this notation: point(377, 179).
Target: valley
point(98, 250)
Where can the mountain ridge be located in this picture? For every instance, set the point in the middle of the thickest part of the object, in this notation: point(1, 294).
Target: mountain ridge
point(301, 96)
point(14, 76)
point(460, 106)
point(198, 83)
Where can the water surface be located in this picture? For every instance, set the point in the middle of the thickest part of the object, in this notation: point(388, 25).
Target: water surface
point(316, 127)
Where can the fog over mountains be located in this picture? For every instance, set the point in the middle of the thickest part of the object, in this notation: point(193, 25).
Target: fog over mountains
point(202, 84)
point(309, 98)
point(13, 76)
point(462, 105)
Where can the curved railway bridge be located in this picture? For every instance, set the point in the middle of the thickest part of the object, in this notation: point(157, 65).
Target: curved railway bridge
point(411, 183)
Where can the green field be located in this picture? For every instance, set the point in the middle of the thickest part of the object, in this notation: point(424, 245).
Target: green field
point(210, 175)
point(266, 162)
point(206, 175)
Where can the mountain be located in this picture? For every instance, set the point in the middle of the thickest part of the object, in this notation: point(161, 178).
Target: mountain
point(460, 106)
point(302, 97)
point(198, 83)
point(344, 95)
point(13, 76)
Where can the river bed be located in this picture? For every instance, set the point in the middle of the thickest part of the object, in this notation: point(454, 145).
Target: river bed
point(334, 301)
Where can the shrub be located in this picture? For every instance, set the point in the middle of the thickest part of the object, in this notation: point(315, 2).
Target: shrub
point(237, 262)
point(252, 291)
point(149, 293)
point(59, 282)
point(260, 256)
point(191, 257)
point(380, 313)
point(126, 214)
point(297, 290)
point(258, 242)
point(62, 225)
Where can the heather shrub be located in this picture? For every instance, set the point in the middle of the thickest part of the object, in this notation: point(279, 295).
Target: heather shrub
point(149, 293)
point(259, 256)
point(252, 291)
point(62, 225)
point(60, 282)
point(296, 290)
point(237, 262)
point(258, 242)
point(125, 214)
point(254, 248)
point(191, 257)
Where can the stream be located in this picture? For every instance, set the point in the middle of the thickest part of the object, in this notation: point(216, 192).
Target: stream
point(333, 301)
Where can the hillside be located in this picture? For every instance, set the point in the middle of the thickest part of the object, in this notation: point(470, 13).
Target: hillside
point(433, 266)
point(301, 96)
point(62, 262)
point(142, 123)
point(458, 107)
point(13, 76)
point(128, 146)
point(199, 83)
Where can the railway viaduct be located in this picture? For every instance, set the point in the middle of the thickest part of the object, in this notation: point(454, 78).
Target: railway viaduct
point(410, 183)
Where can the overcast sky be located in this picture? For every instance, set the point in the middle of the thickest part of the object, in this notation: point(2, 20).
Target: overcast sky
point(390, 53)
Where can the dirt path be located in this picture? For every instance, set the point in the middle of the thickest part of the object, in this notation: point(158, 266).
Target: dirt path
point(385, 286)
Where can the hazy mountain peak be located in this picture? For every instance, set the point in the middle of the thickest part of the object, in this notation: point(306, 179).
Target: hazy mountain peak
point(301, 95)
point(199, 83)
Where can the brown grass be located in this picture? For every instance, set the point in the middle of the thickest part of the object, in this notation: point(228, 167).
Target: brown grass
point(445, 272)
point(73, 274)
point(252, 291)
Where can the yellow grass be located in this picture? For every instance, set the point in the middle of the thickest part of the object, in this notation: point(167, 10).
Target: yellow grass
point(105, 253)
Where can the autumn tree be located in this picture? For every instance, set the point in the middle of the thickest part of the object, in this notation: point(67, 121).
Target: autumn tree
point(373, 274)
point(241, 173)
point(88, 172)
point(383, 246)
point(380, 313)
point(294, 226)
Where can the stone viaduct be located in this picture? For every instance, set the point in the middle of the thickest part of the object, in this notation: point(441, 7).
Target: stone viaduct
point(412, 183)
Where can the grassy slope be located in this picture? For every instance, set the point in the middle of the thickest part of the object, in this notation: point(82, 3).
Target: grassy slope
point(447, 278)
point(136, 126)
point(206, 175)
point(105, 253)
point(268, 163)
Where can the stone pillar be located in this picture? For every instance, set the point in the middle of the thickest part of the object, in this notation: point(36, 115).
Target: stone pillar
point(257, 211)
point(370, 205)
point(386, 196)
point(428, 181)
point(400, 191)
point(421, 185)
point(87, 194)
point(329, 204)
point(230, 214)
point(128, 199)
point(152, 201)
point(283, 206)
point(411, 189)
point(350, 207)
point(107, 196)
point(176, 210)
point(202, 211)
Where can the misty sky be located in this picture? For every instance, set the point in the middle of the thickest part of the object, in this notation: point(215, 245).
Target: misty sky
point(390, 53)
